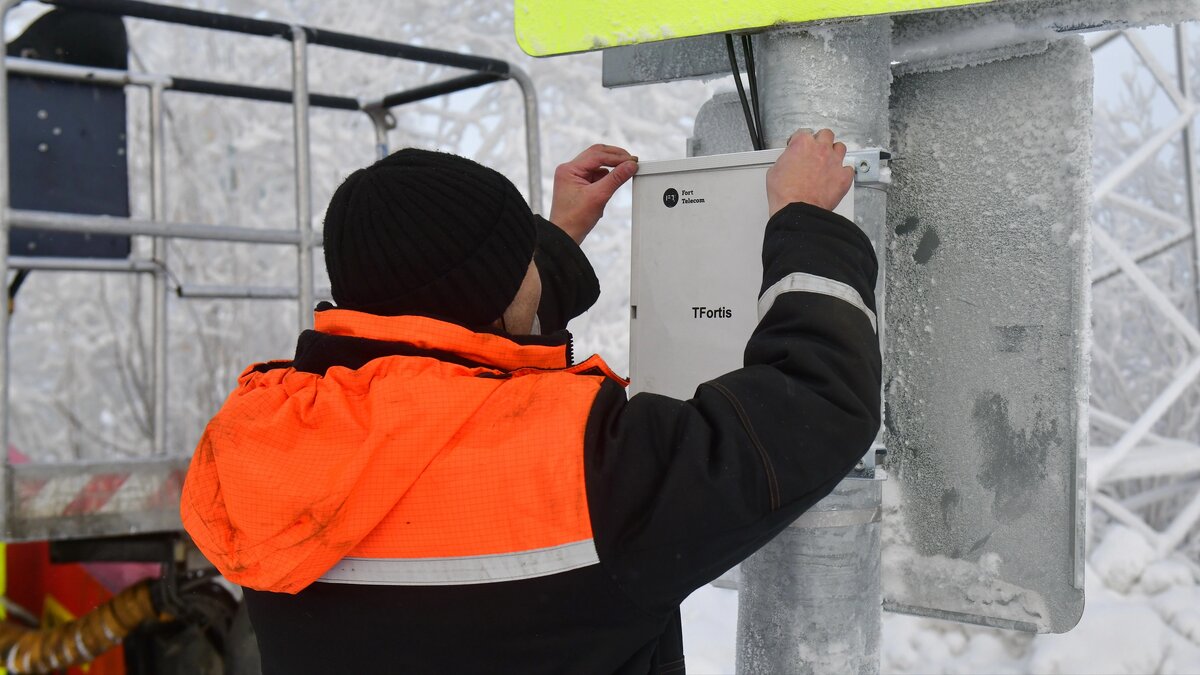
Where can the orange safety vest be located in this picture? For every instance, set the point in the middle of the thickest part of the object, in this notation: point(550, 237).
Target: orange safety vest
point(407, 470)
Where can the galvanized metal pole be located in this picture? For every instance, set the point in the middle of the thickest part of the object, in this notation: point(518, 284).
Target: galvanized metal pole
point(159, 317)
point(304, 251)
point(810, 601)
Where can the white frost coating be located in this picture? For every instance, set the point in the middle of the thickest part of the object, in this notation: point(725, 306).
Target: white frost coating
point(802, 86)
point(930, 42)
point(938, 581)
point(1122, 557)
point(1037, 19)
point(984, 405)
point(1142, 652)
point(1162, 575)
point(985, 34)
point(919, 580)
point(1180, 608)
point(1111, 638)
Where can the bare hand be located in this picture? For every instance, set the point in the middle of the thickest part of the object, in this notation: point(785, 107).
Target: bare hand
point(583, 186)
point(809, 170)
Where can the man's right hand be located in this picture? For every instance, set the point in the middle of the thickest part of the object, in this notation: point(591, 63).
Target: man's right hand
point(809, 170)
point(583, 186)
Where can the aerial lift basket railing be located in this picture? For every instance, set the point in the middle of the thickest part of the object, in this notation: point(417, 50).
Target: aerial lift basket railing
point(91, 499)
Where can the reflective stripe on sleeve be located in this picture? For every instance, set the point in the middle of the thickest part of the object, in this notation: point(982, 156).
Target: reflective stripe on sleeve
point(810, 283)
point(476, 569)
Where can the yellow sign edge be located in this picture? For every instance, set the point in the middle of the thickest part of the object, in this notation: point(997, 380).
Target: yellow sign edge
point(577, 42)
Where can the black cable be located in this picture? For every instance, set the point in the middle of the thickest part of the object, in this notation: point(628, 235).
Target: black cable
point(15, 286)
point(737, 79)
point(748, 50)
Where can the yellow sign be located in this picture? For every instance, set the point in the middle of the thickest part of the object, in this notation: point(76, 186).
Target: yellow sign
point(549, 27)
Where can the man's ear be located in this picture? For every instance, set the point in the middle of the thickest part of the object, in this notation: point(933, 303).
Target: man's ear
point(519, 317)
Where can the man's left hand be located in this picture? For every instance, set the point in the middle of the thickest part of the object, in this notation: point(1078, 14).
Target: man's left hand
point(583, 186)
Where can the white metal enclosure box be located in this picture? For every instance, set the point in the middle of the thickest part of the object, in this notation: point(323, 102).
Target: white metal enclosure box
point(697, 267)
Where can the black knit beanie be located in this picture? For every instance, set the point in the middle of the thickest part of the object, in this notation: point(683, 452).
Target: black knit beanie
point(428, 233)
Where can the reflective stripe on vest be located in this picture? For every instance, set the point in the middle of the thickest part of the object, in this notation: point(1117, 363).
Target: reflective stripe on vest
point(463, 570)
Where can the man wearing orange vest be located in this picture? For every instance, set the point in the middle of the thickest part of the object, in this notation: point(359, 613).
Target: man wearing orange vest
point(432, 484)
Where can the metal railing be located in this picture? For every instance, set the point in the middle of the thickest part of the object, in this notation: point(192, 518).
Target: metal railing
point(483, 71)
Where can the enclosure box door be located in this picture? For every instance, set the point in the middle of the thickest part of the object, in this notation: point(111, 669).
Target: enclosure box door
point(697, 266)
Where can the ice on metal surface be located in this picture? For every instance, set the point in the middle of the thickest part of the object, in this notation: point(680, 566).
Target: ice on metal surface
point(922, 41)
point(833, 76)
point(987, 303)
point(1021, 21)
point(820, 621)
point(942, 581)
point(953, 39)
point(720, 127)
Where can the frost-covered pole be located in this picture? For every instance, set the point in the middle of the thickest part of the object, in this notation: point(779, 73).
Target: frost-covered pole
point(810, 600)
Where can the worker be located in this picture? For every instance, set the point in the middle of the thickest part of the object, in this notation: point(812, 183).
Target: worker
point(433, 485)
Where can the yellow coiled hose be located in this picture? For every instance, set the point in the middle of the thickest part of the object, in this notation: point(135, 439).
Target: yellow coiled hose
point(32, 650)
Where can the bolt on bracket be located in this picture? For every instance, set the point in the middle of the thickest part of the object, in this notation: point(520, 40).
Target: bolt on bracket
point(870, 166)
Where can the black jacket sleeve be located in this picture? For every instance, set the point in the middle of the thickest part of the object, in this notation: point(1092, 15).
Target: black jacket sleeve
point(569, 284)
point(681, 491)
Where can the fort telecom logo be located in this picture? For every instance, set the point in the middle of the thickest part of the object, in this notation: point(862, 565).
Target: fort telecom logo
point(671, 198)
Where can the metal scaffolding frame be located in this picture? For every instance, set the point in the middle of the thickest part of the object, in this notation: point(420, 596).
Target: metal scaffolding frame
point(1138, 452)
point(37, 501)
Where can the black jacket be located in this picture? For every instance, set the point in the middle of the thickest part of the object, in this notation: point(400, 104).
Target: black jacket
point(678, 491)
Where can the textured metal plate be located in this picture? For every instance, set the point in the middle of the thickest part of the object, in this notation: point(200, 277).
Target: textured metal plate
point(987, 338)
point(94, 499)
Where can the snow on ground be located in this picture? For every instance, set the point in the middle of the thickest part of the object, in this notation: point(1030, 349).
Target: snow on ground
point(1142, 616)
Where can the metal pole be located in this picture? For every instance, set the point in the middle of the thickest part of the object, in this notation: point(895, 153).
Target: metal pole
point(48, 264)
point(810, 600)
point(63, 71)
point(5, 470)
point(72, 222)
point(381, 140)
point(231, 292)
point(382, 121)
point(159, 214)
point(533, 147)
point(304, 251)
